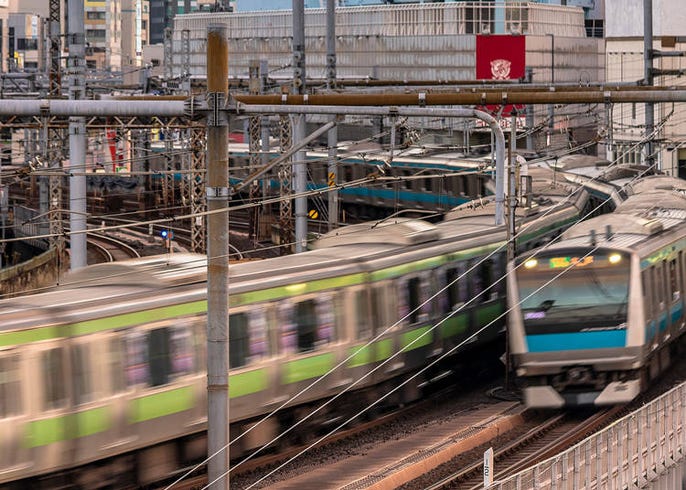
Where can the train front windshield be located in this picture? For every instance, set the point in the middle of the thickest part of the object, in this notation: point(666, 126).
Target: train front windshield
point(574, 292)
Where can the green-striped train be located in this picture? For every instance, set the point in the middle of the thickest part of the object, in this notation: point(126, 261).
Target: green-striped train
point(102, 379)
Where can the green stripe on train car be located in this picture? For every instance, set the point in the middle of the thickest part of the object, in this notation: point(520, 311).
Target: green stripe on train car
point(248, 383)
point(65, 427)
point(455, 325)
point(414, 339)
point(281, 292)
point(367, 354)
point(138, 318)
point(487, 314)
point(384, 349)
point(360, 355)
point(307, 368)
point(400, 270)
point(160, 404)
point(28, 336)
point(101, 324)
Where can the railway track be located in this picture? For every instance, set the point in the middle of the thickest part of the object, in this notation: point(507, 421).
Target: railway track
point(110, 249)
point(545, 440)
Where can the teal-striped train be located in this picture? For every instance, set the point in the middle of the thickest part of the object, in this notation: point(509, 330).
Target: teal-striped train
point(597, 316)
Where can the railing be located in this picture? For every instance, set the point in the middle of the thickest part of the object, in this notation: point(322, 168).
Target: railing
point(636, 450)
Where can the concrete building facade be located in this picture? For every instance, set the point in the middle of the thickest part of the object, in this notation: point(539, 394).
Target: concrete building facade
point(624, 63)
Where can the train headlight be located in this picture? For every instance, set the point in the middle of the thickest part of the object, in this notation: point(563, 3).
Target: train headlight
point(530, 264)
point(614, 258)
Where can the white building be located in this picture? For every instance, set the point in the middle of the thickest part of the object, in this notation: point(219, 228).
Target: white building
point(624, 63)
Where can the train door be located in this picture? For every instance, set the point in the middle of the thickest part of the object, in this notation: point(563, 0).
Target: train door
point(651, 307)
point(48, 430)
point(92, 415)
point(161, 373)
point(454, 283)
point(360, 327)
point(113, 380)
point(15, 459)
point(308, 338)
point(487, 297)
point(676, 301)
point(416, 316)
point(663, 302)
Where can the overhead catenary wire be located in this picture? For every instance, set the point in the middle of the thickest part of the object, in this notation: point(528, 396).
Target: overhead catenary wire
point(392, 357)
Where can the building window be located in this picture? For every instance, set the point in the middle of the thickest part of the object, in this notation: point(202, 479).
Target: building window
point(27, 44)
point(95, 34)
point(95, 15)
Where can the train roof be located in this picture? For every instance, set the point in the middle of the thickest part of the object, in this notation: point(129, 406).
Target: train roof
point(656, 208)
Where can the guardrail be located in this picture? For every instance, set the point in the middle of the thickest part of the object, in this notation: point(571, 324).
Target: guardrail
point(635, 451)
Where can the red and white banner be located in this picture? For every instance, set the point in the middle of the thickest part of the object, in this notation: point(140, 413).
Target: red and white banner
point(500, 57)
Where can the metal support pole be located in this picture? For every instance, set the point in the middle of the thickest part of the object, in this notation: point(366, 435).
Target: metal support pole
point(332, 137)
point(217, 259)
point(299, 126)
point(265, 133)
point(551, 107)
point(529, 114)
point(254, 129)
point(648, 77)
point(197, 187)
point(77, 137)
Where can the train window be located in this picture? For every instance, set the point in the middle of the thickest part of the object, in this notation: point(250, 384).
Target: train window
point(239, 339)
point(674, 281)
point(10, 386)
point(53, 375)
point(116, 364)
point(414, 305)
point(299, 326)
point(379, 305)
point(660, 286)
point(647, 297)
point(361, 309)
point(428, 184)
point(498, 262)
point(476, 281)
point(348, 172)
point(305, 319)
point(326, 310)
point(181, 351)
point(158, 356)
point(136, 360)
point(407, 182)
point(83, 389)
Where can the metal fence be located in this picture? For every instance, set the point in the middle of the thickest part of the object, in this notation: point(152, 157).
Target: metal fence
point(634, 452)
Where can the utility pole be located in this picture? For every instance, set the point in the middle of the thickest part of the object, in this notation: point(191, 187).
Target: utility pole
point(648, 77)
point(217, 258)
point(299, 127)
point(77, 137)
point(332, 137)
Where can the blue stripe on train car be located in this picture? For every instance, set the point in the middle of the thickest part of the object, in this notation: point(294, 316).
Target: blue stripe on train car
point(662, 322)
point(676, 311)
point(601, 339)
point(651, 331)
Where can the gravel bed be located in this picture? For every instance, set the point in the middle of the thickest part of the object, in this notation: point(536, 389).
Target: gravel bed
point(444, 409)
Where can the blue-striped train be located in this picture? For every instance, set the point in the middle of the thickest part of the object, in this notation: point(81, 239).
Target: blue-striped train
point(600, 313)
point(102, 378)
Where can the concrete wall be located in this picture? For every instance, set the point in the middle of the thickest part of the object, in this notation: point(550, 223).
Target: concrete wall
point(41, 271)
